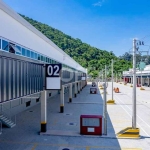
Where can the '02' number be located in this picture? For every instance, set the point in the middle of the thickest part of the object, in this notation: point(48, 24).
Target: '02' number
point(53, 70)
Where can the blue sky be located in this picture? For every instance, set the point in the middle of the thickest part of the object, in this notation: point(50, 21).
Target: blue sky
point(106, 24)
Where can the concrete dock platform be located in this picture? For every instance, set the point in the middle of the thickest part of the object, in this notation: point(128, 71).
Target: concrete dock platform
point(63, 129)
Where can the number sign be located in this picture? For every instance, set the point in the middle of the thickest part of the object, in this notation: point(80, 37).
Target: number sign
point(53, 76)
point(53, 70)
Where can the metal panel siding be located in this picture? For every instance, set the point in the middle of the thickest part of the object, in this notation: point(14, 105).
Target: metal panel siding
point(7, 78)
point(11, 78)
point(35, 78)
point(32, 82)
point(25, 78)
point(28, 79)
point(4, 79)
point(14, 79)
point(19, 78)
point(0, 79)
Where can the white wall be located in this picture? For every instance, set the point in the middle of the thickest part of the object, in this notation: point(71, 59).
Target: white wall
point(13, 30)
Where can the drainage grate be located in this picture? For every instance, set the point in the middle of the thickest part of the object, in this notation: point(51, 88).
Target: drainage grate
point(71, 124)
point(66, 148)
point(68, 114)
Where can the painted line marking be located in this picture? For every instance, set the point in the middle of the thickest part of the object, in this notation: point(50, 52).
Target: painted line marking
point(131, 149)
point(131, 117)
point(34, 146)
point(64, 145)
point(87, 148)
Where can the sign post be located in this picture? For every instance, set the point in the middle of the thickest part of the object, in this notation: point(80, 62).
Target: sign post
point(52, 82)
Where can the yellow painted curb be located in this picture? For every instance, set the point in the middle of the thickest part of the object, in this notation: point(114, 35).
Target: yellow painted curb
point(111, 102)
point(103, 93)
point(129, 132)
point(142, 88)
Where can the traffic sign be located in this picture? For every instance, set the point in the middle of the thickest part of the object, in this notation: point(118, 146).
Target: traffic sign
point(53, 76)
point(142, 66)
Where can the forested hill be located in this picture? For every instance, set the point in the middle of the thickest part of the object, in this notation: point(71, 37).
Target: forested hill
point(89, 57)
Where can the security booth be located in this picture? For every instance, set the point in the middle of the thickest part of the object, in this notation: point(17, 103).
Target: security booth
point(93, 90)
point(91, 124)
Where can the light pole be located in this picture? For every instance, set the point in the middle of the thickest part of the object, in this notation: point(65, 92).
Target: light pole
point(112, 76)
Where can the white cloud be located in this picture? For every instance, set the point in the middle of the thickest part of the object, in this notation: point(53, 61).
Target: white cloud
point(99, 3)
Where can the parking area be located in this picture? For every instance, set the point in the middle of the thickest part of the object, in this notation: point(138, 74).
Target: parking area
point(63, 129)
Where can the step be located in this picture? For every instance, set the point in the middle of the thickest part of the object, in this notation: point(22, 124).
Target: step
point(7, 121)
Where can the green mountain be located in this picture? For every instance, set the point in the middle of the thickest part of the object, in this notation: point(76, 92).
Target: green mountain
point(89, 57)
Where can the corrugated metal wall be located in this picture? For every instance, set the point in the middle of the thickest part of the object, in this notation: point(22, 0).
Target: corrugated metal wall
point(19, 78)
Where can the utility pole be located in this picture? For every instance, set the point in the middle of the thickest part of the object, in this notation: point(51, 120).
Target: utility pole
point(132, 132)
point(102, 76)
point(134, 86)
point(112, 78)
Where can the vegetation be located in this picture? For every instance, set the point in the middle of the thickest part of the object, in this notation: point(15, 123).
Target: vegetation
point(89, 57)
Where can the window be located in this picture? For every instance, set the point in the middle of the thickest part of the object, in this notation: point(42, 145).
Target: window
point(5, 45)
point(28, 53)
point(44, 58)
point(32, 54)
point(11, 47)
point(48, 60)
point(18, 50)
point(35, 55)
point(39, 57)
point(23, 51)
